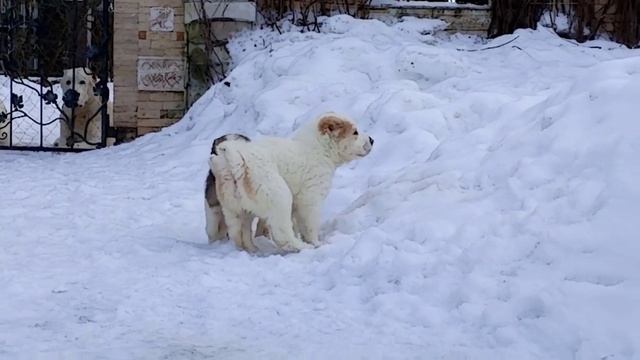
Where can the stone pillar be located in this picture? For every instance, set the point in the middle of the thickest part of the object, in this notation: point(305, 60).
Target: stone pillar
point(149, 45)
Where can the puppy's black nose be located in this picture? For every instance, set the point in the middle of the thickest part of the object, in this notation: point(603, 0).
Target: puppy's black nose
point(371, 140)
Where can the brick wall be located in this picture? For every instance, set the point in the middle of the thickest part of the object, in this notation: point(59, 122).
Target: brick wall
point(139, 109)
point(464, 19)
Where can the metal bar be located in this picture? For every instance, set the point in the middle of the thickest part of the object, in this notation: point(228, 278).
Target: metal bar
point(72, 121)
point(104, 92)
point(90, 20)
point(41, 114)
point(187, 85)
point(10, 107)
point(43, 149)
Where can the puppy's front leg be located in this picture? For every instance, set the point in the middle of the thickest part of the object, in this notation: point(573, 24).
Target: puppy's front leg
point(307, 219)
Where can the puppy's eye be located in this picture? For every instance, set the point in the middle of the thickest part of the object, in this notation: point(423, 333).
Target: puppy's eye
point(355, 132)
point(68, 82)
point(82, 82)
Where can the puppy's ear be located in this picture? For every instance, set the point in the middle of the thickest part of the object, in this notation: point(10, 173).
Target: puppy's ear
point(335, 125)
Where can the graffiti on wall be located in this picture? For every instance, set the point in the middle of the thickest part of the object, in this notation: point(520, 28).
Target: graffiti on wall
point(160, 74)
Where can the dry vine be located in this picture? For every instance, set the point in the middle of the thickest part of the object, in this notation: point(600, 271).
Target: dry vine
point(211, 42)
point(587, 18)
point(306, 13)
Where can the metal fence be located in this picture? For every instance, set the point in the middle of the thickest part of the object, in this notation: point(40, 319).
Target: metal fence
point(55, 66)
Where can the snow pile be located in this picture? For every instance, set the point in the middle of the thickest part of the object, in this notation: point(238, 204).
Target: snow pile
point(495, 217)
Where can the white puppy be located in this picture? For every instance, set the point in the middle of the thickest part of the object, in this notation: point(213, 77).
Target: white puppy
point(87, 115)
point(277, 179)
point(216, 227)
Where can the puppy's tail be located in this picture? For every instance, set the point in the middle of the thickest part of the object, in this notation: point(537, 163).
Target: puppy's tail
point(225, 158)
point(231, 162)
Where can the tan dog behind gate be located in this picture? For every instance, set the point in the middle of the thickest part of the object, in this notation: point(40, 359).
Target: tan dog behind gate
point(87, 115)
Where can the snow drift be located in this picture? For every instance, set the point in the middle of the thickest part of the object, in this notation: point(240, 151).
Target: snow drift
point(496, 216)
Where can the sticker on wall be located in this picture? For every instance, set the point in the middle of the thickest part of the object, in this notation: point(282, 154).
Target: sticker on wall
point(160, 73)
point(161, 19)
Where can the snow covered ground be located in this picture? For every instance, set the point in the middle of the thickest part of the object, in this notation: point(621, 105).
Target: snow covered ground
point(497, 216)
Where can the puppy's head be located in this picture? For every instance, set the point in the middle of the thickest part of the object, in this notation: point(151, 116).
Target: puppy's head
point(81, 81)
point(344, 137)
point(227, 137)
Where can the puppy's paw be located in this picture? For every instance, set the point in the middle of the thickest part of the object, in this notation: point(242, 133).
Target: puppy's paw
point(297, 247)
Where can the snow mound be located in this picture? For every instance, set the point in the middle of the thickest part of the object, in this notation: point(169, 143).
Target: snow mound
point(496, 217)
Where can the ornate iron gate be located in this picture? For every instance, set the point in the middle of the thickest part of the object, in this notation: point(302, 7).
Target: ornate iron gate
point(55, 66)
